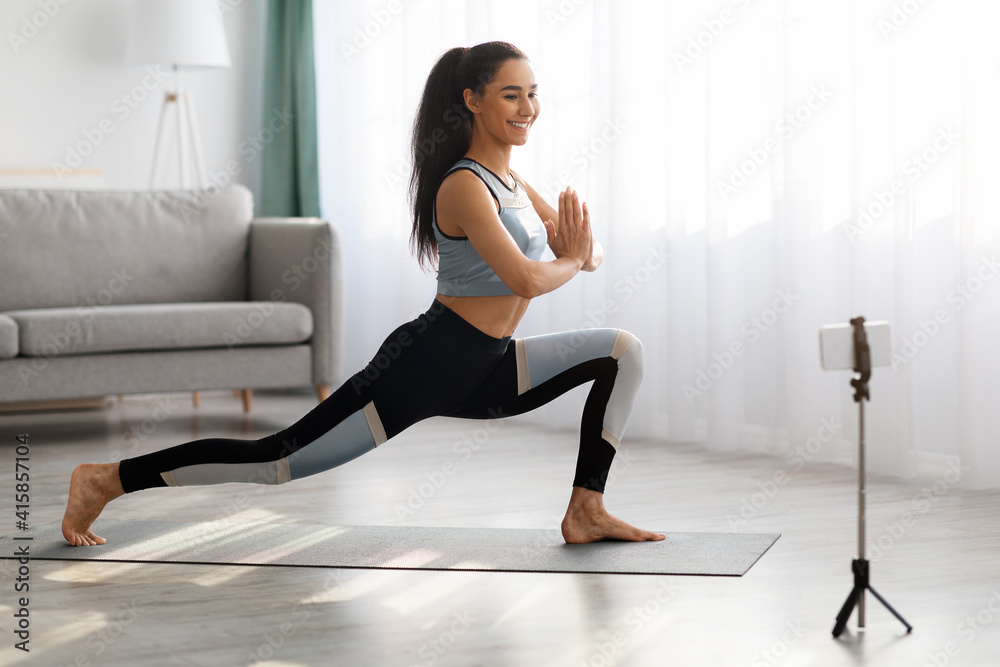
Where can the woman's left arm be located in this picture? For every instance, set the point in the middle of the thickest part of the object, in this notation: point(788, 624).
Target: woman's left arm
point(546, 212)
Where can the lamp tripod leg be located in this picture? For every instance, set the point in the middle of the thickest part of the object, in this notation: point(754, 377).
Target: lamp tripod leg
point(199, 158)
point(158, 146)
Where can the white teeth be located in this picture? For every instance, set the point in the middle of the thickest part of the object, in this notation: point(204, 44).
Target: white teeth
point(520, 125)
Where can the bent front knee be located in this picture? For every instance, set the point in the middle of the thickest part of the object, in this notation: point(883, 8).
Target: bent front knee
point(628, 351)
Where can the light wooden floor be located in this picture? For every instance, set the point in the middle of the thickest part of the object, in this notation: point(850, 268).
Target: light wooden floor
point(942, 572)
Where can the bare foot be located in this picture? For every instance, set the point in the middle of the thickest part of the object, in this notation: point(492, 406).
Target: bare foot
point(587, 521)
point(92, 486)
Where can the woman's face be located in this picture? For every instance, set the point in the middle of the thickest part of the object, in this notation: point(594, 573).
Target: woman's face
point(509, 104)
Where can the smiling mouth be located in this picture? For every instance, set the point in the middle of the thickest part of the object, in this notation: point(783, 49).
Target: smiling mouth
point(520, 126)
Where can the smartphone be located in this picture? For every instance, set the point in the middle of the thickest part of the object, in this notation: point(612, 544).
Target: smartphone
point(836, 345)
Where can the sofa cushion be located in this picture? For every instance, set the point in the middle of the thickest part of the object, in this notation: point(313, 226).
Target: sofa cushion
point(51, 332)
point(8, 338)
point(64, 249)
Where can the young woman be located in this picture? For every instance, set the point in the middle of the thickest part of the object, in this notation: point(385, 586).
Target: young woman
point(484, 226)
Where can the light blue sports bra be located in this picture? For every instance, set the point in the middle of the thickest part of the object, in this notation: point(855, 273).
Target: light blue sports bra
point(461, 271)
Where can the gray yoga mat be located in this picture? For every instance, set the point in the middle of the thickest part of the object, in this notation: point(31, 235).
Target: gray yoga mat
point(394, 547)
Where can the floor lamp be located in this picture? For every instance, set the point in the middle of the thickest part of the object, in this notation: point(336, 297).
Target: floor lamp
point(179, 34)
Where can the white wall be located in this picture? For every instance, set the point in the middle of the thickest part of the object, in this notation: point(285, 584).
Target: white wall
point(56, 89)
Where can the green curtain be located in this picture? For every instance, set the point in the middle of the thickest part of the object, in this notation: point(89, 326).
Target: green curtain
point(290, 167)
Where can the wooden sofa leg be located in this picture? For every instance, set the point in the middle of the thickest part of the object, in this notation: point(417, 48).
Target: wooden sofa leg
point(322, 392)
point(195, 399)
point(247, 399)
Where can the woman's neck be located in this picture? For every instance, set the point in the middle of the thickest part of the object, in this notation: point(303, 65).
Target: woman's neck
point(493, 156)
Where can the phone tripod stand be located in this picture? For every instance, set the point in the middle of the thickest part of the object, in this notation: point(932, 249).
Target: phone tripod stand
point(860, 566)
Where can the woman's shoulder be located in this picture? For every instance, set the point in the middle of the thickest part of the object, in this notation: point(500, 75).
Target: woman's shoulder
point(462, 171)
point(461, 164)
point(464, 192)
point(462, 184)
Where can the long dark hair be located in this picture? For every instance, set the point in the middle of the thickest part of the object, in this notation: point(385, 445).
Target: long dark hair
point(442, 130)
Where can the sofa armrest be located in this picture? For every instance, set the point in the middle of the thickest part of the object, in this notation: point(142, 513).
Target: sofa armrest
point(301, 260)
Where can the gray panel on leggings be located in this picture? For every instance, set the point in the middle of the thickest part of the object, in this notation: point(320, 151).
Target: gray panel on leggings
point(623, 394)
point(551, 354)
point(344, 442)
point(220, 473)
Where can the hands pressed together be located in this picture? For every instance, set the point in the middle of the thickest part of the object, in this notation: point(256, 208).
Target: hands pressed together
point(571, 236)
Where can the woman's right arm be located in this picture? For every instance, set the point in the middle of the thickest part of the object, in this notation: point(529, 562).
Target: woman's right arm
point(464, 201)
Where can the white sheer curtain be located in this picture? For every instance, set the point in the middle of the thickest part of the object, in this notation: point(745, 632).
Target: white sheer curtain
point(755, 169)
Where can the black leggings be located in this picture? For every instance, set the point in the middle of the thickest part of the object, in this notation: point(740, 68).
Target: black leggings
point(437, 364)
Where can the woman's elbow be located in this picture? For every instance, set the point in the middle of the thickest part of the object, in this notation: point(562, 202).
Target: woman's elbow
point(525, 286)
point(526, 289)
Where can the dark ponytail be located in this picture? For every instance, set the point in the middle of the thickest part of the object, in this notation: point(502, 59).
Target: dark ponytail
point(442, 130)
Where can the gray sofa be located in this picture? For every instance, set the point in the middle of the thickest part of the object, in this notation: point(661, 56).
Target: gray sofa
point(108, 293)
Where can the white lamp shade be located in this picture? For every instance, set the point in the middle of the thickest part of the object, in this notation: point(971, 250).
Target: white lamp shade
point(182, 33)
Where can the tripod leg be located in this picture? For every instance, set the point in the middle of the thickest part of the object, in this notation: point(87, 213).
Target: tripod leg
point(889, 607)
point(845, 612)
